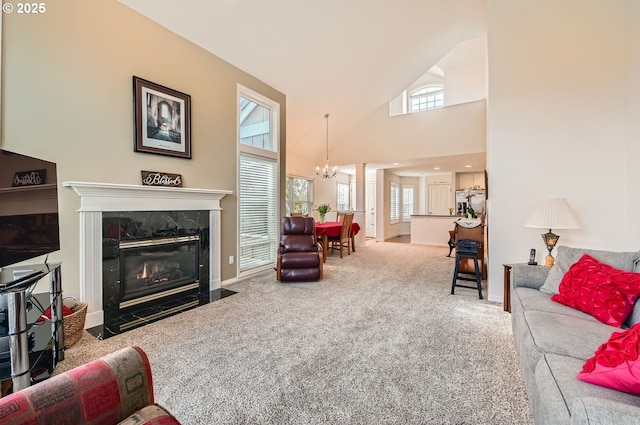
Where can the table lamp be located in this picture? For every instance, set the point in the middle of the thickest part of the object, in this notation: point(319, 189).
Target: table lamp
point(552, 214)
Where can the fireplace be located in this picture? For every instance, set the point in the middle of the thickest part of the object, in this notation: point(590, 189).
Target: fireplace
point(155, 268)
point(155, 264)
point(111, 214)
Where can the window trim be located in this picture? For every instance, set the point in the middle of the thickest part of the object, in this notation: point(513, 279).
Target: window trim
point(273, 155)
point(431, 91)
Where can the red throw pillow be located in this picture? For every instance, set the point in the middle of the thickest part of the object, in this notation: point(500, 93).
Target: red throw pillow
point(615, 364)
point(607, 293)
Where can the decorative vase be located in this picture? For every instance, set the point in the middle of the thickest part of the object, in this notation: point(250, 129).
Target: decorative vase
point(321, 218)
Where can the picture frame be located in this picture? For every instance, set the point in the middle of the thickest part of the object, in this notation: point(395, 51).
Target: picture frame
point(162, 119)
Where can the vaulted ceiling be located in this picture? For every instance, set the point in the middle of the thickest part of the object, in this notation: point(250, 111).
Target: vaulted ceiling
point(347, 58)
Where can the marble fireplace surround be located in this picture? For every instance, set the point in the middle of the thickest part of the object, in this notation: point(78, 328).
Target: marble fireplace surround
point(96, 198)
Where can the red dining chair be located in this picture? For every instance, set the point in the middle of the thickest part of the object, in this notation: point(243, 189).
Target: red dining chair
point(343, 240)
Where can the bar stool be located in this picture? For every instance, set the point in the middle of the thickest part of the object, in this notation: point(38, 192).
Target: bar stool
point(467, 248)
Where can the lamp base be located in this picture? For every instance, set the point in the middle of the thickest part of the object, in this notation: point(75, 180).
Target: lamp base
point(549, 261)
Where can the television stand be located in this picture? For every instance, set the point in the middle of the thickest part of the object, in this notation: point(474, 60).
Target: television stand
point(29, 350)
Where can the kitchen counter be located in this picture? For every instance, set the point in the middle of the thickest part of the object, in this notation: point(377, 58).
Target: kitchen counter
point(432, 229)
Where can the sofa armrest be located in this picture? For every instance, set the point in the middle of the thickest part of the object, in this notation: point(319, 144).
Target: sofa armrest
point(592, 410)
point(525, 276)
point(121, 381)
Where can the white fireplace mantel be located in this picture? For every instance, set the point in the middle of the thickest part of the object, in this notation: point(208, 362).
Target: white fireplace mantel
point(128, 197)
point(96, 198)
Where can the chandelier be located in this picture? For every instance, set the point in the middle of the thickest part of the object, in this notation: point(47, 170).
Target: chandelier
point(327, 172)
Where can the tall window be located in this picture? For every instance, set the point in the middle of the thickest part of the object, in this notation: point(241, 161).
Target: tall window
point(407, 202)
point(258, 180)
point(424, 98)
point(394, 201)
point(343, 197)
point(299, 195)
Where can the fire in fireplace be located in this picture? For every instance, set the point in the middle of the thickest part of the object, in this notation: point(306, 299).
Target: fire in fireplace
point(155, 268)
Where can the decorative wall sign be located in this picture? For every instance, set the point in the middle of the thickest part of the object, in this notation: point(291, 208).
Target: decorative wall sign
point(29, 178)
point(157, 178)
point(162, 119)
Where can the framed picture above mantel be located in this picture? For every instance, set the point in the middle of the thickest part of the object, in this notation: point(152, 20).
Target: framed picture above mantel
point(162, 119)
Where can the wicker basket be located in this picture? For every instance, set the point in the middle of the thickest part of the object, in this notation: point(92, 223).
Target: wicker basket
point(74, 323)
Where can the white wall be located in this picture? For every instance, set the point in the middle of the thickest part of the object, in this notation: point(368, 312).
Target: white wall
point(466, 75)
point(462, 71)
point(425, 134)
point(560, 123)
point(633, 121)
point(67, 98)
point(325, 191)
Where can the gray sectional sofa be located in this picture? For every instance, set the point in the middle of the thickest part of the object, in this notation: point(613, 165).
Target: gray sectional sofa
point(553, 342)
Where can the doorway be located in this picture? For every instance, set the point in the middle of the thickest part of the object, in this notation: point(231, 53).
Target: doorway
point(439, 200)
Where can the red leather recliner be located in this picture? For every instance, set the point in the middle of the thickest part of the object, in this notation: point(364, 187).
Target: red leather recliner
point(299, 255)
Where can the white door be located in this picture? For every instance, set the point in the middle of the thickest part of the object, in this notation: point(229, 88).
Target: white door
point(370, 203)
point(439, 199)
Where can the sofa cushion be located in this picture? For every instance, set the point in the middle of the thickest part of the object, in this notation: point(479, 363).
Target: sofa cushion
point(607, 293)
point(559, 392)
point(566, 335)
point(567, 256)
point(615, 363)
point(535, 300)
point(538, 332)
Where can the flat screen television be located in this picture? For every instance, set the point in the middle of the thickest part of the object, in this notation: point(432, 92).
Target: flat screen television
point(29, 225)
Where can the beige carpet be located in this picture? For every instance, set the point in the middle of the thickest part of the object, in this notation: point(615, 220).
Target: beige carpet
point(379, 341)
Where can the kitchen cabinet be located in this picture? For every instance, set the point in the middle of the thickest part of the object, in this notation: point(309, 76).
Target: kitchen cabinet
point(470, 180)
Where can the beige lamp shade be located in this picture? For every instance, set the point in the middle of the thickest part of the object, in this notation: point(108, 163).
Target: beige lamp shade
point(552, 214)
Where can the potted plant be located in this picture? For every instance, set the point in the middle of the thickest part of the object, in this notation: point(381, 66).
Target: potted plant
point(323, 209)
point(470, 212)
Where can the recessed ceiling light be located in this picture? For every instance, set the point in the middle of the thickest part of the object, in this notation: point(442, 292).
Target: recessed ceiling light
point(468, 166)
point(396, 163)
point(436, 168)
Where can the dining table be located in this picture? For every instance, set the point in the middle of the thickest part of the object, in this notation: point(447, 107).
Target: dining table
point(332, 229)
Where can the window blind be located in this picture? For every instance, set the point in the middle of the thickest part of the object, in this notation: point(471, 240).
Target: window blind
point(395, 202)
point(258, 210)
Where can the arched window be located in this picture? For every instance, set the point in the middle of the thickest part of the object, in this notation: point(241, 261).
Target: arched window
point(429, 97)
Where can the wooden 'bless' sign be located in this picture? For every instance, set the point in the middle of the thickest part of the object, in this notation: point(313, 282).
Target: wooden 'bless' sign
point(29, 178)
point(157, 178)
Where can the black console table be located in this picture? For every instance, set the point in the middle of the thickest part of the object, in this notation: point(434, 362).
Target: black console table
point(30, 349)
